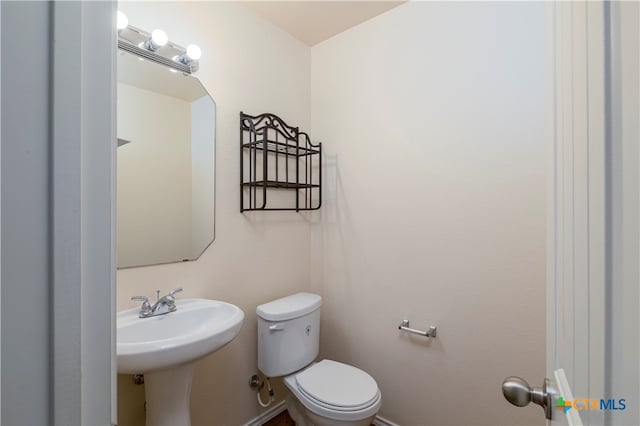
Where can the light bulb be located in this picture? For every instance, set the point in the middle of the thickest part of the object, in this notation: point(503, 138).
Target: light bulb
point(194, 52)
point(159, 37)
point(123, 21)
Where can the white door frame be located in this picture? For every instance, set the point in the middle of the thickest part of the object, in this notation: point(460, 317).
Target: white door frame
point(83, 209)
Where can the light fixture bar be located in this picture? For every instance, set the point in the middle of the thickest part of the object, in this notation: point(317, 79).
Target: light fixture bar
point(154, 57)
point(132, 39)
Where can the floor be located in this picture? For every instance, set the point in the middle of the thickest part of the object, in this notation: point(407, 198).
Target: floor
point(281, 419)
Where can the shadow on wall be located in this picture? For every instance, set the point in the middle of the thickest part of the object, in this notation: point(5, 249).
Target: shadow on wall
point(333, 247)
point(130, 402)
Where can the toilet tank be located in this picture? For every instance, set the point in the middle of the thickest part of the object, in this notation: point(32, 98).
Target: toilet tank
point(288, 333)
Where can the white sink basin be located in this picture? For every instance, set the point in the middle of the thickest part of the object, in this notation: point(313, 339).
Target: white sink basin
point(165, 348)
point(197, 328)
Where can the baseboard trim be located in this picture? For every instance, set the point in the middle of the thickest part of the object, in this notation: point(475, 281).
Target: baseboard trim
point(381, 421)
point(281, 406)
point(268, 415)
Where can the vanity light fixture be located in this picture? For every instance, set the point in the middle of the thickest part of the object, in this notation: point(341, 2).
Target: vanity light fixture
point(156, 41)
point(193, 53)
point(123, 21)
point(147, 46)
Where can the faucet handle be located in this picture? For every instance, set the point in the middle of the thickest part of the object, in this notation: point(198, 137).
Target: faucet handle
point(143, 299)
point(171, 299)
point(146, 309)
point(174, 291)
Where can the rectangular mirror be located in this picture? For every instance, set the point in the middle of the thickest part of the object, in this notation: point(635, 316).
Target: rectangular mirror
point(166, 164)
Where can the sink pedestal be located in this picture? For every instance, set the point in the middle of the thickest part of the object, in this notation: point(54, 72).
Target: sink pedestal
point(167, 393)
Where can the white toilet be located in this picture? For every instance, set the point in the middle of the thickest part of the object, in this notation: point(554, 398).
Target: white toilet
point(323, 393)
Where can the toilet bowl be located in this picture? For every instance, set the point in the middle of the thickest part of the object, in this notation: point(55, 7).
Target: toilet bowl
point(324, 393)
point(332, 393)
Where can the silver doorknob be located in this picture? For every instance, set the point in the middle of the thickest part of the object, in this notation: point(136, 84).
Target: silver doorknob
point(518, 392)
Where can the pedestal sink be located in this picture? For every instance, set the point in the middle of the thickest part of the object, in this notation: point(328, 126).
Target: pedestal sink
point(164, 348)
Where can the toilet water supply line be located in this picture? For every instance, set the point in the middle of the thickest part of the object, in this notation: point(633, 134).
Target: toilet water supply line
point(256, 384)
point(271, 395)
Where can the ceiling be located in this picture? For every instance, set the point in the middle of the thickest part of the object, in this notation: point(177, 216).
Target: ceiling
point(314, 21)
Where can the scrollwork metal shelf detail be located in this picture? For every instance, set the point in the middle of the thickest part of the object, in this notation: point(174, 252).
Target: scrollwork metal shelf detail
point(276, 156)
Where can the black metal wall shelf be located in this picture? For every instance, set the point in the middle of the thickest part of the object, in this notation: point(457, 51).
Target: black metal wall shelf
point(276, 156)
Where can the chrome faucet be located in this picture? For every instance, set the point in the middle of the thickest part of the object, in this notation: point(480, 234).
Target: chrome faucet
point(163, 305)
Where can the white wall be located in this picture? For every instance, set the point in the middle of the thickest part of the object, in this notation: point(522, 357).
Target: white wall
point(248, 65)
point(154, 177)
point(433, 121)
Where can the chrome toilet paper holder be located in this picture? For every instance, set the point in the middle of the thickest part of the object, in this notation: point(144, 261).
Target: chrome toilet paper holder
point(432, 331)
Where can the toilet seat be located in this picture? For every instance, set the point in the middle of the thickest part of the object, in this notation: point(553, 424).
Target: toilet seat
point(336, 391)
point(337, 407)
point(338, 385)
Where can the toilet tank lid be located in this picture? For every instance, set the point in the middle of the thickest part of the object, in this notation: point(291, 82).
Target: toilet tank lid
point(289, 307)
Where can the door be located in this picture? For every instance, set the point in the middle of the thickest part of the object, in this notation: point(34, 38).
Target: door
point(592, 237)
point(58, 232)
